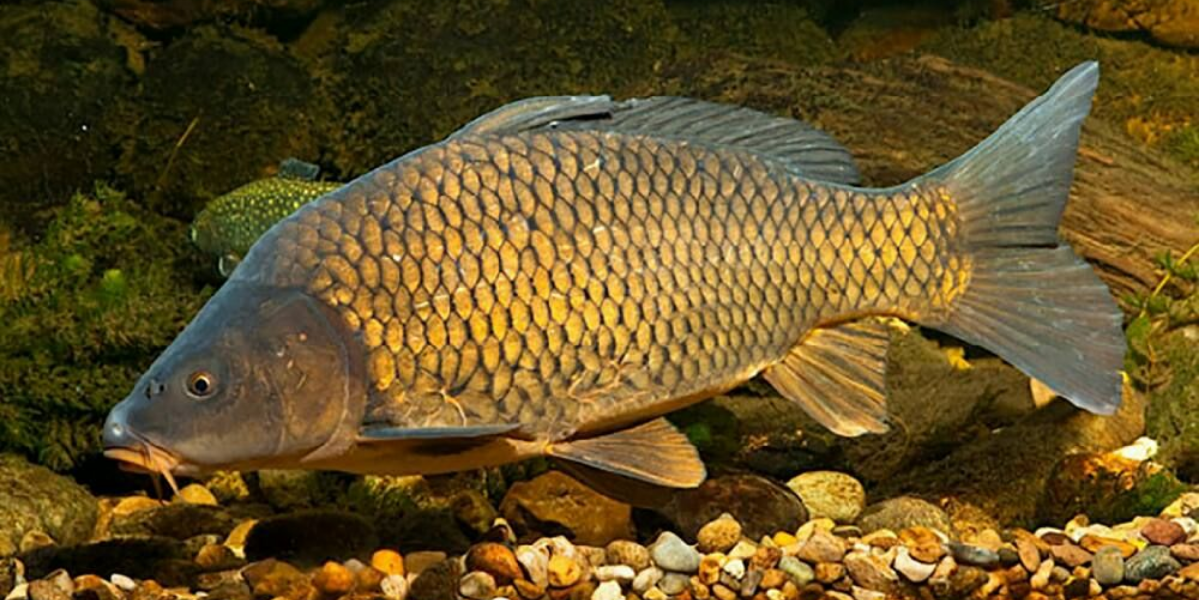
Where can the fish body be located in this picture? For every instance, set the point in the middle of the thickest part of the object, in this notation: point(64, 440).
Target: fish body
point(559, 274)
point(230, 224)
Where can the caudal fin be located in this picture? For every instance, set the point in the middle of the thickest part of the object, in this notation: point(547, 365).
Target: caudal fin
point(1030, 299)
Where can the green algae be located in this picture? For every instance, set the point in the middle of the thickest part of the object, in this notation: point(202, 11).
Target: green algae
point(785, 31)
point(85, 310)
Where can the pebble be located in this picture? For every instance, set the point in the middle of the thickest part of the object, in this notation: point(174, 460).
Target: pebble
point(1152, 562)
point(1163, 532)
point(1186, 552)
point(620, 573)
point(394, 587)
point(829, 572)
point(913, 570)
point(496, 560)
point(797, 570)
point(710, 568)
point(1028, 552)
point(861, 593)
point(830, 494)
point(609, 590)
point(123, 582)
point(645, 579)
point(416, 562)
point(673, 583)
point(388, 562)
point(537, 564)
point(773, 579)
point(1093, 543)
point(477, 585)
point(654, 594)
point(215, 557)
point(333, 579)
point(822, 547)
point(625, 552)
point(1041, 577)
point(563, 572)
point(735, 568)
point(366, 578)
point(197, 494)
point(19, 592)
point(974, 555)
point(870, 571)
point(742, 550)
point(44, 589)
point(719, 535)
point(1108, 566)
point(1070, 555)
point(671, 553)
point(904, 511)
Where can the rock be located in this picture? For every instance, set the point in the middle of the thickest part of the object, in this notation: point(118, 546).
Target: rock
point(1163, 532)
point(828, 572)
point(44, 589)
point(1107, 487)
point(903, 512)
point(869, 571)
point(389, 562)
point(92, 587)
point(536, 563)
point(216, 557)
point(438, 581)
point(1191, 572)
point(967, 554)
point(394, 587)
point(1093, 543)
point(1171, 22)
point(671, 553)
point(1152, 562)
point(608, 590)
point(617, 573)
point(34, 498)
point(179, 521)
point(760, 505)
point(1070, 555)
point(912, 570)
point(922, 543)
point(719, 535)
point(477, 585)
point(1108, 566)
point(310, 536)
point(625, 552)
point(197, 494)
point(563, 572)
point(1186, 505)
point(333, 579)
point(416, 562)
point(1186, 552)
point(673, 584)
point(646, 579)
point(159, 558)
point(831, 494)
point(735, 568)
point(742, 550)
point(275, 578)
point(822, 547)
point(555, 498)
point(797, 570)
point(496, 560)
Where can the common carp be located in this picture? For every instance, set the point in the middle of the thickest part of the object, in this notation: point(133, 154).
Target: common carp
point(559, 274)
point(231, 223)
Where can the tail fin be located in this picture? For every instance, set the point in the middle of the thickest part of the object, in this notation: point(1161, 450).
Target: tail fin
point(1030, 299)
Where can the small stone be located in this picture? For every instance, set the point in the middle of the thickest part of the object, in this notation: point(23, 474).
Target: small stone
point(783, 538)
point(673, 554)
point(743, 550)
point(93, 587)
point(241, 531)
point(563, 572)
point(903, 512)
point(1027, 551)
point(719, 535)
point(1186, 505)
point(797, 570)
point(883, 538)
point(394, 587)
point(618, 573)
point(654, 594)
point(417, 562)
point(366, 578)
point(723, 593)
point(710, 568)
point(1076, 588)
point(591, 556)
point(197, 494)
point(44, 589)
point(496, 560)
point(1070, 555)
point(1191, 572)
point(943, 572)
point(477, 585)
point(1163, 532)
point(609, 590)
point(528, 589)
point(389, 562)
point(829, 572)
point(1108, 566)
point(625, 552)
point(735, 568)
point(750, 583)
point(1152, 562)
point(1008, 556)
point(967, 579)
point(772, 579)
point(536, 562)
point(673, 583)
point(822, 547)
point(861, 593)
point(1093, 543)
point(216, 557)
point(967, 554)
point(645, 579)
point(333, 579)
point(134, 504)
point(765, 557)
point(830, 494)
point(123, 582)
point(1185, 552)
point(913, 570)
point(870, 571)
point(556, 498)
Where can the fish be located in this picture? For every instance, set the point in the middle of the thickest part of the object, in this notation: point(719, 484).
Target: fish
point(230, 224)
point(559, 275)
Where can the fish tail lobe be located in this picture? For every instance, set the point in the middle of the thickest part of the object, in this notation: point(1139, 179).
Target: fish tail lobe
point(1030, 299)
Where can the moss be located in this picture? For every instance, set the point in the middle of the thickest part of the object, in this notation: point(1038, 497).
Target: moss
point(1172, 415)
point(85, 310)
point(1149, 91)
point(777, 30)
point(412, 72)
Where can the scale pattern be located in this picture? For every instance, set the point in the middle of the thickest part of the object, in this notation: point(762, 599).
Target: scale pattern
point(561, 279)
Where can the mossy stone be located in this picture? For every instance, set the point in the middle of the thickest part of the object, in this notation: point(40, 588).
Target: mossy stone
point(1171, 414)
point(33, 498)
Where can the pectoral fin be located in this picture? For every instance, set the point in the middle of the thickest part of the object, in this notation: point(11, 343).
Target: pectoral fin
point(654, 452)
point(836, 374)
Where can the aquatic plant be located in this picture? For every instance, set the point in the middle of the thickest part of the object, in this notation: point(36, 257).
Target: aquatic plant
point(83, 311)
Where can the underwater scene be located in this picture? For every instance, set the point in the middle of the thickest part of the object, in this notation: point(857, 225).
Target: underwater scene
point(599, 299)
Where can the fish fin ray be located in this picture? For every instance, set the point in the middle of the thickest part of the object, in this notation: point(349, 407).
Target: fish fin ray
point(536, 113)
point(1030, 299)
point(837, 375)
point(654, 452)
point(622, 489)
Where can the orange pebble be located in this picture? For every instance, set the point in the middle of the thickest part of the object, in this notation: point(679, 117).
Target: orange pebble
point(388, 561)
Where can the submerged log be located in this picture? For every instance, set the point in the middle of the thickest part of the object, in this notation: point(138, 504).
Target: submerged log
point(905, 116)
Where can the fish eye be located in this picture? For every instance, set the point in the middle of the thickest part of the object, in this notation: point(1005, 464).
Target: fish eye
point(201, 384)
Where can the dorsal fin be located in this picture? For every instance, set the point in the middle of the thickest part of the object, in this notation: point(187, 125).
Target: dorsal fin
point(805, 149)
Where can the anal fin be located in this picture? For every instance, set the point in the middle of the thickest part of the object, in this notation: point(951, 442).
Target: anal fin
point(654, 452)
point(836, 374)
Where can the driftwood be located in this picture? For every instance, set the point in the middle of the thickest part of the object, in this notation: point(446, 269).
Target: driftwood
point(904, 116)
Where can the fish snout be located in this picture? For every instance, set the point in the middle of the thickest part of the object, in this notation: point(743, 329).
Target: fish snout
point(116, 429)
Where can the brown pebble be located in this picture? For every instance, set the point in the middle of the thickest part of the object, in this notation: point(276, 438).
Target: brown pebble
point(1070, 555)
point(496, 560)
point(1093, 544)
point(334, 579)
point(698, 589)
point(1191, 572)
point(368, 579)
point(44, 589)
point(563, 571)
point(1055, 538)
point(923, 544)
point(93, 587)
point(215, 557)
point(389, 562)
point(723, 593)
point(765, 557)
point(134, 504)
point(772, 579)
point(274, 578)
point(1186, 552)
point(710, 569)
point(1027, 551)
point(528, 589)
point(829, 572)
point(416, 562)
point(1163, 532)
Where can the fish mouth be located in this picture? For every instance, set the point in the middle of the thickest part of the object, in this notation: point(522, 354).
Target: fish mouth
point(145, 457)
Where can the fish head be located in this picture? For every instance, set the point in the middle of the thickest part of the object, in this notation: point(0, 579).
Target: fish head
point(262, 377)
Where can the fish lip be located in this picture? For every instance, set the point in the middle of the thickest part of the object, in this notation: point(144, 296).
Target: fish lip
point(144, 457)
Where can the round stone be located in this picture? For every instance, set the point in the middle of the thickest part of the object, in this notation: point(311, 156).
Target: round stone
point(1108, 566)
point(719, 535)
point(830, 494)
point(671, 553)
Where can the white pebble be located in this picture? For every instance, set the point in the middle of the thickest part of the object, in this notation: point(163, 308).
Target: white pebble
point(735, 568)
point(621, 573)
point(648, 578)
point(123, 582)
point(609, 590)
point(536, 561)
point(395, 587)
point(19, 592)
point(774, 594)
point(743, 549)
point(861, 593)
point(912, 570)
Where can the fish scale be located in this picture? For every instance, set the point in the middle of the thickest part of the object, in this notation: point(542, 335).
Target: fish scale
point(559, 278)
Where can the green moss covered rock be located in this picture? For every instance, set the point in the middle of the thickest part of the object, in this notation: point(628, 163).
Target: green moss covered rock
point(83, 312)
point(1171, 416)
point(34, 499)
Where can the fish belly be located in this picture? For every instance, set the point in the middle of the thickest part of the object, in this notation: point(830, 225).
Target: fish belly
point(579, 281)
